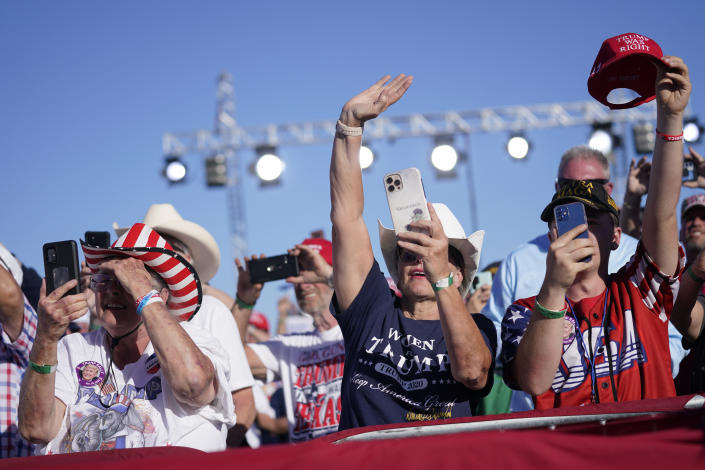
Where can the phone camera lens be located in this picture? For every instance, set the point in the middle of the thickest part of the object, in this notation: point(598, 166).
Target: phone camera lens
point(389, 180)
point(51, 255)
point(397, 183)
point(390, 188)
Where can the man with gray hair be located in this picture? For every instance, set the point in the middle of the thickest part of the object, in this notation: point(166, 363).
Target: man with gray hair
point(522, 272)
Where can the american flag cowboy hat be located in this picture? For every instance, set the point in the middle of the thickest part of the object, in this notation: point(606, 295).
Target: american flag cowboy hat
point(143, 243)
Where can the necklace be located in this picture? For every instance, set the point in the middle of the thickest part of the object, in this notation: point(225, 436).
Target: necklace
point(591, 355)
point(113, 342)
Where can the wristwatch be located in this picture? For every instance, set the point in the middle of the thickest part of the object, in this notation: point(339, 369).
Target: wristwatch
point(443, 283)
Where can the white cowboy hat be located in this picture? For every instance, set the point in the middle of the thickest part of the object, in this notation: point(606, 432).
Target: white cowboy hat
point(204, 250)
point(469, 247)
point(145, 244)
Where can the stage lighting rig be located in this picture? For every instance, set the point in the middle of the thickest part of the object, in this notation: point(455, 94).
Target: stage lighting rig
point(174, 169)
point(518, 147)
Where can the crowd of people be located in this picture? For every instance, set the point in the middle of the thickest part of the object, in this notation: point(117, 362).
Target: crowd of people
point(604, 312)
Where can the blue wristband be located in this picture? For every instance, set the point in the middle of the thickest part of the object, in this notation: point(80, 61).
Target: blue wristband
point(148, 298)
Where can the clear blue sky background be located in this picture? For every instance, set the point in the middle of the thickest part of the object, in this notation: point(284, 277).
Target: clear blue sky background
point(89, 88)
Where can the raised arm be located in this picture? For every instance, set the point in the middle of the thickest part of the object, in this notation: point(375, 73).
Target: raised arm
point(352, 251)
point(190, 373)
point(246, 297)
point(470, 358)
point(637, 184)
point(40, 412)
point(660, 225)
point(687, 314)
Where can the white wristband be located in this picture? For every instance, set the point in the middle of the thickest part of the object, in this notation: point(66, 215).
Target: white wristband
point(342, 129)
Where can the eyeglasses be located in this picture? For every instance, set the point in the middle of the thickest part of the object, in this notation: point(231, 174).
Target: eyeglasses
point(102, 282)
point(560, 181)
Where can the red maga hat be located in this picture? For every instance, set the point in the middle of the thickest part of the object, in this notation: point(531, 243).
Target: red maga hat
point(322, 246)
point(259, 321)
point(626, 61)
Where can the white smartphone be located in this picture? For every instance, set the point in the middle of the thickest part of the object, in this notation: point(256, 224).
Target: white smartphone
point(406, 198)
point(481, 278)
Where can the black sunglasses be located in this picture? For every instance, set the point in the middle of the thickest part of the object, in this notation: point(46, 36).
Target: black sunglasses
point(560, 181)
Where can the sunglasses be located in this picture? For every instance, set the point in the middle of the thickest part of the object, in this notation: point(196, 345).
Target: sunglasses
point(560, 181)
point(408, 257)
point(103, 282)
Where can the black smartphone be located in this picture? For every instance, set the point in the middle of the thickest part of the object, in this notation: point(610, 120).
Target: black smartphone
point(273, 268)
point(689, 170)
point(100, 239)
point(61, 265)
point(569, 216)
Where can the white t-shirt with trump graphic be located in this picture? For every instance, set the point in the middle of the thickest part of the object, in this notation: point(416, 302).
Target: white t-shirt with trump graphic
point(136, 406)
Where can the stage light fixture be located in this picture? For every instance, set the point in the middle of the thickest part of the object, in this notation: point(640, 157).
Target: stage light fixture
point(174, 169)
point(269, 166)
point(444, 157)
point(367, 157)
point(518, 147)
point(216, 170)
point(602, 138)
point(692, 130)
point(644, 137)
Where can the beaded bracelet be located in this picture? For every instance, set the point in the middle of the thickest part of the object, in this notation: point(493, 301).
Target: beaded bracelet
point(342, 129)
point(546, 313)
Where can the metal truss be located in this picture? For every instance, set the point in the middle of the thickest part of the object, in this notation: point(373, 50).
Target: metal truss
point(501, 119)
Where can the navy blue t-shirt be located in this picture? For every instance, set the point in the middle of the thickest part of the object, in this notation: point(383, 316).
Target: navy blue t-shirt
point(397, 369)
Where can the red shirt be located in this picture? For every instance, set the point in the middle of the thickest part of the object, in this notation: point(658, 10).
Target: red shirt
point(640, 301)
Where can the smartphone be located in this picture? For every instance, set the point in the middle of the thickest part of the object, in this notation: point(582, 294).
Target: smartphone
point(273, 268)
point(568, 216)
point(61, 265)
point(689, 170)
point(406, 198)
point(480, 279)
point(100, 239)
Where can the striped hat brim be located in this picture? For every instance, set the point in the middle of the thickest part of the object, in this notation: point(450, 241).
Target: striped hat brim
point(143, 243)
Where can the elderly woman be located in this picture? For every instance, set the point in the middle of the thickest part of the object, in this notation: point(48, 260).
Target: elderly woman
point(421, 356)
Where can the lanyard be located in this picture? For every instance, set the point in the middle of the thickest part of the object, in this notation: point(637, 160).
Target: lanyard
point(581, 344)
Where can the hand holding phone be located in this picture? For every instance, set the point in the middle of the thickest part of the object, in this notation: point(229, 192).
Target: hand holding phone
point(569, 216)
point(61, 265)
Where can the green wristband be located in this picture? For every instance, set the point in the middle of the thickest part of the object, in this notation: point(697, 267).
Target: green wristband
point(443, 283)
point(546, 313)
point(694, 276)
point(42, 369)
point(242, 303)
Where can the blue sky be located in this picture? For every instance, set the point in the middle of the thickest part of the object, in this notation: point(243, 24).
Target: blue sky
point(88, 89)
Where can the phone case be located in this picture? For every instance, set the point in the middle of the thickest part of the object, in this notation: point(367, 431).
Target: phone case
point(480, 279)
point(61, 264)
point(101, 239)
point(569, 216)
point(273, 268)
point(406, 198)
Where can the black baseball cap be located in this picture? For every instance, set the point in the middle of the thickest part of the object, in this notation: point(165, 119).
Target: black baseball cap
point(592, 195)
